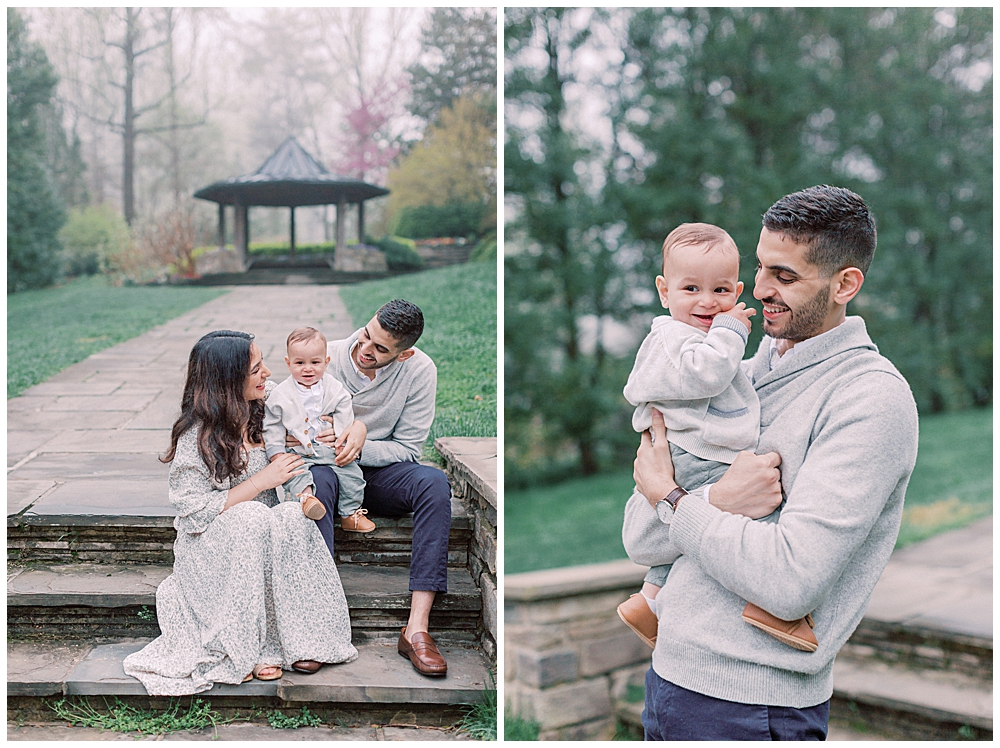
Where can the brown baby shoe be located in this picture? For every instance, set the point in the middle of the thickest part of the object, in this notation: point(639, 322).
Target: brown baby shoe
point(797, 634)
point(637, 616)
point(357, 522)
point(313, 508)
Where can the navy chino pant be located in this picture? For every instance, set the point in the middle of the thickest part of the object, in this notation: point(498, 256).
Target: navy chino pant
point(393, 491)
point(675, 713)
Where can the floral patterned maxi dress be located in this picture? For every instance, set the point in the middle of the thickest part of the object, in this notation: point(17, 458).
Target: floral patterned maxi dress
point(252, 585)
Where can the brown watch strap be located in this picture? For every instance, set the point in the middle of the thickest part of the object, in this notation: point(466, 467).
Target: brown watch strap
point(674, 496)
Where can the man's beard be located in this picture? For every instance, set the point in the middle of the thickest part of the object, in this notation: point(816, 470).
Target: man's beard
point(804, 322)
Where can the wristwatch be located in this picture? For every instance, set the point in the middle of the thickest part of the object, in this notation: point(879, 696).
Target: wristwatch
point(670, 500)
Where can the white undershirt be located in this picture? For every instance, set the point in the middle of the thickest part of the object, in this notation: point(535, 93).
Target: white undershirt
point(312, 402)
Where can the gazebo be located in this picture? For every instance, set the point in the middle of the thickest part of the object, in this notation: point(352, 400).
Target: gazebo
point(290, 178)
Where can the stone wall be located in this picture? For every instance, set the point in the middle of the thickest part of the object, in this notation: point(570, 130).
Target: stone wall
point(360, 258)
point(567, 656)
point(471, 464)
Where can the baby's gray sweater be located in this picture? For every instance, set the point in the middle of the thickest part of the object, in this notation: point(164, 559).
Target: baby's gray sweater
point(845, 424)
point(397, 406)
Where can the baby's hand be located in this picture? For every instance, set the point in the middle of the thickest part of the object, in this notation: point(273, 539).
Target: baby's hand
point(742, 313)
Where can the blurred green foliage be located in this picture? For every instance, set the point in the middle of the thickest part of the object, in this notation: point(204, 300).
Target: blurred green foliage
point(34, 211)
point(711, 115)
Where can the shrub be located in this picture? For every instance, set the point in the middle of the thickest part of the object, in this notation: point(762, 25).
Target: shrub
point(169, 241)
point(429, 221)
point(276, 249)
point(485, 250)
point(91, 237)
point(400, 253)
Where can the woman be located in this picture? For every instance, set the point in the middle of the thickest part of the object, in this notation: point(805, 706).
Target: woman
point(254, 588)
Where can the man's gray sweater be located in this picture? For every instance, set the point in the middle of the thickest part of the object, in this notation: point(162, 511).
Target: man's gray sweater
point(845, 424)
point(397, 406)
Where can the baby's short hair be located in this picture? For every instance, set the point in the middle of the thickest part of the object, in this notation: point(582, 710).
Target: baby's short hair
point(704, 234)
point(303, 335)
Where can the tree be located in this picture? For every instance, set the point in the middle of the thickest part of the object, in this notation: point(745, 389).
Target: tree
point(34, 212)
point(746, 105)
point(456, 161)
point(458, 59)
point(563, 264)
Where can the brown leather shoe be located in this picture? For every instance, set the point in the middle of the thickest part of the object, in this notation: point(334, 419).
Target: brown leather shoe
point(637, 616)
point(423, 653)
point(797, 634)
point(357, 522)
point(307, 666)
point(313, 508)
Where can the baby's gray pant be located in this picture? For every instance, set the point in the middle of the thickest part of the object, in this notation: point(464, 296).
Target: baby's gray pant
point(691, 473)
point(352, 481)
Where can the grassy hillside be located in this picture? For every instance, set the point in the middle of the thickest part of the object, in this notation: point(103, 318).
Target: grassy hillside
point(460, 333)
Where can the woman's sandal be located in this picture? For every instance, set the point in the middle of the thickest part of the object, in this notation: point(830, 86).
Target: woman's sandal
point(307, 666)
point(274, 676)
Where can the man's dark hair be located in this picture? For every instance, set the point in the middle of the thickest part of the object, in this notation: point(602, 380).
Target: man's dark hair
point(403, 320)
point(833, 222)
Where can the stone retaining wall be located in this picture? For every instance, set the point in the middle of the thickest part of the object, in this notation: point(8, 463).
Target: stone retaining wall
point(471, 464)
point(567, 655)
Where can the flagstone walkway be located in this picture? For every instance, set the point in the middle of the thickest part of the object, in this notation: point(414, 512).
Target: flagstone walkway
point(109, 416)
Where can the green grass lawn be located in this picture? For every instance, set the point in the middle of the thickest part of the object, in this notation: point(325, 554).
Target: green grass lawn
point(460, 333)
point(579, 521)
point(52, 328)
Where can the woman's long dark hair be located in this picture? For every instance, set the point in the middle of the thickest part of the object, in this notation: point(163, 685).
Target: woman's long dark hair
point(215, 399)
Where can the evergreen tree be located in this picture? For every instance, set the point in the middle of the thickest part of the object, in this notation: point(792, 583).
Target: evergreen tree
point(747, 105)
point(458, 59)
point(34, 213)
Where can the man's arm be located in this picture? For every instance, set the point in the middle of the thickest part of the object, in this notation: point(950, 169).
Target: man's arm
point(411, 430)
point(647, 538)
point(862, 450)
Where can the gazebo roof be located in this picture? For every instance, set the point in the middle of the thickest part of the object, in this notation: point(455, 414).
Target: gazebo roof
point(290, 177)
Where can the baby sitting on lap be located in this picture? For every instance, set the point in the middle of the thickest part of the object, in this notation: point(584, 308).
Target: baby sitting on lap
point(295, 407)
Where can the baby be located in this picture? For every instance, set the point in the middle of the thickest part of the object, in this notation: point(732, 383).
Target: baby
point(294, 407)
point(688, 368)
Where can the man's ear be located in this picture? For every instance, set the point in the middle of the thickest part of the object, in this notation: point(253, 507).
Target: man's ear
point(406, 354)
point(847, 283)
point(661, 289)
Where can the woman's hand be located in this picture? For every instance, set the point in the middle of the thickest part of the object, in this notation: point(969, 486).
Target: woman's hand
point(348, 445)
point(654, 468)
point(280, 470)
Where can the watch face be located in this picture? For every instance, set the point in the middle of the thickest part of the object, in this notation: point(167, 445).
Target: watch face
point(664, 511)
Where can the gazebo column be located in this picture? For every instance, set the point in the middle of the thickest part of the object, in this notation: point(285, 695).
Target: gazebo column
point(338, 257)
point(241, 233)
point(222, 225)
point(291, 232)
point(361, 221)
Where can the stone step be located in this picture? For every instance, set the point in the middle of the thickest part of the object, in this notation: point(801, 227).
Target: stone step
point(910, 703)
point(919, 645)
point(380, 687)
point(51, 531)
point(105, 602)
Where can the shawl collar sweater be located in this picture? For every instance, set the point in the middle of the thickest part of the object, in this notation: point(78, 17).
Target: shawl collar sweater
point(845, 424)
point(397, 406)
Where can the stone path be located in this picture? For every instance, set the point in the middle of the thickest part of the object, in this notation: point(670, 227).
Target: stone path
point(110, 415)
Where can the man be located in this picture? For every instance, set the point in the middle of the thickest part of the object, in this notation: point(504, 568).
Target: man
point(393, 386)
point(841, 423)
